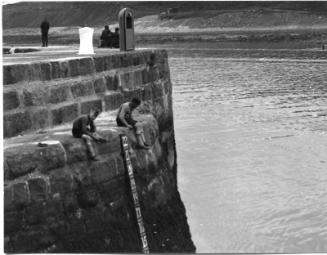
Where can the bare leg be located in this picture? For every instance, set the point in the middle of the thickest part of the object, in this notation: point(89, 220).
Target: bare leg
point(140, 136)
point(89, 146)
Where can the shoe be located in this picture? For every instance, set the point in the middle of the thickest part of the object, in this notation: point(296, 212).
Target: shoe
point(95, 158)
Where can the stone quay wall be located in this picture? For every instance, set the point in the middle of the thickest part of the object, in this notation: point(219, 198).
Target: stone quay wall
point(55, 198)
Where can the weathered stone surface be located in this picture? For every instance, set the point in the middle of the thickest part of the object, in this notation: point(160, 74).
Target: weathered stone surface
point(35, 213)
point(81, 89)
point(61, 182)
point(92, 104)
point(126, 80)
point(21, 193)
point(100, 85)
point(64, 114)
point(112, 82)
point(45, 71)
point(63, 69)
point(8, 198)
point(40, 118)
point(15, 123)
point(10, 100)
point(73, 67)
point(38, 189)
point(103, 171)
point(75, 149)
point(28, 158)
point(59, 94)
point(88, 198)
point(7, 77)
point(35, 97)
point(84, 206)
point(86, 66)
point(12, 221)
point(113, 100)
point(55, 69)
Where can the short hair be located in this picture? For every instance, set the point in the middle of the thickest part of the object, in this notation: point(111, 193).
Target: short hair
point(136, 101)
point(96, 111)
point(106, 26)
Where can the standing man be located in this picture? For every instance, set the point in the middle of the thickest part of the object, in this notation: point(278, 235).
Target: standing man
point(44, 31)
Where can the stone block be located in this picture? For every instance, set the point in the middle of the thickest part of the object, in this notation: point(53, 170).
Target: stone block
point(126, 80)
point(75, 149)
point(35, 97)
point(28, 158)
point(113, 100)
point(13, 221)
point(61, 182)
point(59, 94)
point(21, 193)
point(64, 114)
point(45, 71)
point(34, 72)
point(70, 203)
point(167, 87)
point(81, 89)
point(103, 171)
point(86, 66)
point(99, 64)
point(94, 221)
point(38, 189)
point(158, 90)
point(145, 76)
point(108, 63)
point(81, 174)
point(10, 100)
point(40, 118)
point(120, 166)
point(34, 214)
point(112, 190)
point(8, 197)
point(138, 78)
point(15, 123)
point(28, 241)
point(147, 92)
point(115, 61)
point(19, 72)
point(73, 67)
point(112, 82)
point(100, 85)
point(63, 69)
point(136, 59)
point(88, 198)
point(92, 104)
point(7, 76)
point(7, 245)
point(55, 69)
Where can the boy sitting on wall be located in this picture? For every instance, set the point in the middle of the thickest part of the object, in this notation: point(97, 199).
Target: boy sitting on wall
point(124, 119)
point(83, 127)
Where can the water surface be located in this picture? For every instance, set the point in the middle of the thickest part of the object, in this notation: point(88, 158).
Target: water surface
point(251, 133)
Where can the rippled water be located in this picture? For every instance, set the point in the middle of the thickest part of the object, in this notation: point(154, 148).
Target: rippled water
point(251, 134)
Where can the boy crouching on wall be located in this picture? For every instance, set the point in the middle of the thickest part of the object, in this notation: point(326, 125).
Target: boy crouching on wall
point(83, 127)
point(124, 119)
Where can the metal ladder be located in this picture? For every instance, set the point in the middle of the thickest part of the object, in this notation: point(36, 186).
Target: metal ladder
point(129, 167)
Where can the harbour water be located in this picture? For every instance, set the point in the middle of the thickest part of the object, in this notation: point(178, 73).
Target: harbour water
point(251, 134)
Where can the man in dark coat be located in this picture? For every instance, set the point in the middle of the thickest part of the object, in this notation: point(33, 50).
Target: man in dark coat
point(44, 31)
point(115, 43)
point(106, 37)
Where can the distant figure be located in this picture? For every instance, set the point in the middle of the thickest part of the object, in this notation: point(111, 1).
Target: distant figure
point(115, 41)
point(44, 31)
point(83, 127)
point(323, 47)
point(106, 37)
point(124, 119)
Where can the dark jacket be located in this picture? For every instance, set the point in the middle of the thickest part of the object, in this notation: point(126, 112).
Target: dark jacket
point(83, 125)
point(45, 26)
